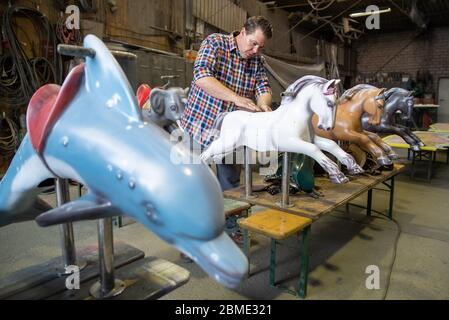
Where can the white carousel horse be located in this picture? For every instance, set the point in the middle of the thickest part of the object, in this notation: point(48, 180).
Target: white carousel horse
point(288, 128)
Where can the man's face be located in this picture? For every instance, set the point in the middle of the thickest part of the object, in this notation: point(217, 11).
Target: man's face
point(252, 44)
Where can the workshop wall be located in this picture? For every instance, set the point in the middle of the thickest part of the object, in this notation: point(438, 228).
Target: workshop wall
point(290, 46)
point(157, 24)
point(406, 53)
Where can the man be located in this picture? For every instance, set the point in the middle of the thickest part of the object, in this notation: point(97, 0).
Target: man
point(228, 75)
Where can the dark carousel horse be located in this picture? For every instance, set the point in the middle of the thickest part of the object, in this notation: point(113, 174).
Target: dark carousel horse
point(402, 100)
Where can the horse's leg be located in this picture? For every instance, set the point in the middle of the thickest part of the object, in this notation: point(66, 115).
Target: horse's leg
point(214, 151)
point(366, 143)
point(311, 150)
point(377, 140)
point(221, 147)
point(409, 137)
point(342, 156)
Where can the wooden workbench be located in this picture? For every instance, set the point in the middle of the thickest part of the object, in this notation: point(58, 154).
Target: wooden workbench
point(333, 195)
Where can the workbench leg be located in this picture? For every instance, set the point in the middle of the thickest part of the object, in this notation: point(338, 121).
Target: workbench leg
point(369, 202)
point(429, 171)
point(246, 245)
point(273, 262)
point(412, 173)
point(390, 210)
point(305, 254)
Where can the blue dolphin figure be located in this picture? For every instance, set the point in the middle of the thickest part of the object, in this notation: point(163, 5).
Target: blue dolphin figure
point(90, 130)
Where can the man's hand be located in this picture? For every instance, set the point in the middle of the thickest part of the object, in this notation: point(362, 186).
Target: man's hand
point(265, 108)
point(245, 103)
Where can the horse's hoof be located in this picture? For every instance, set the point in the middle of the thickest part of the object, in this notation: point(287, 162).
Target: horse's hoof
point(384, 161)
point(415, 147)
point(355, 170)
point(338, 178)
point(352, 166)
point(421, 144)
point(393, 156)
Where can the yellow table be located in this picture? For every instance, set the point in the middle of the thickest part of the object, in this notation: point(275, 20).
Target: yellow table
point(433, 141)
point(439, 127)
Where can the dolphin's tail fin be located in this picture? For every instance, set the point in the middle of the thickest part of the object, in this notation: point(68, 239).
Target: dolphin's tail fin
point(19, 187)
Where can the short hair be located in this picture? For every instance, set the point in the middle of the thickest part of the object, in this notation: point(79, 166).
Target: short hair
point(259, 22)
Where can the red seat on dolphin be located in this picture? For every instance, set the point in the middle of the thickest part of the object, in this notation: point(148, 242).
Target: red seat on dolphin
point(47, 105)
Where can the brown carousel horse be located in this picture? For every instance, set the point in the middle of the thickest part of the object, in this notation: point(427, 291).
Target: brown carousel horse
point(355, 102)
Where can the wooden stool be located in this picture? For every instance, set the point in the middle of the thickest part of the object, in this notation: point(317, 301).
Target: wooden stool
point(280, 225)
point(234, 207)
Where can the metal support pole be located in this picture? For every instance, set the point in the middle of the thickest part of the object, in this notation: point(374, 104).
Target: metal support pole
point(285, 183)
point(66, 229)
point(248, 175)
point(107, 286)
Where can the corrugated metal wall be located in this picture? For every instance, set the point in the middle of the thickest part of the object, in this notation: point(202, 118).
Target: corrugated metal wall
point(134, 19)
point(222, 14)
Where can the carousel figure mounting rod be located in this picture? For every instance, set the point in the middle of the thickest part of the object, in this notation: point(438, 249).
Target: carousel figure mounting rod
point(288, 128)
point(91, 130)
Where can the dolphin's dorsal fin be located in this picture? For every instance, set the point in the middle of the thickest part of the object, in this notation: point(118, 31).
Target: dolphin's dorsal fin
point(48, 104)
point(88, 207)
point(107, 80)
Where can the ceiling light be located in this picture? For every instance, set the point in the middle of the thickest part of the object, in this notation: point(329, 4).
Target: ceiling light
point(363, 14)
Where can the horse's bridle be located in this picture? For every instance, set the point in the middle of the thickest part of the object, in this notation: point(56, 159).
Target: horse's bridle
point(384, 96)
point(381, 97)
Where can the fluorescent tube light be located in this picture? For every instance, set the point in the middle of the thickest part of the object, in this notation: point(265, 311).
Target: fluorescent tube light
point(363, 14)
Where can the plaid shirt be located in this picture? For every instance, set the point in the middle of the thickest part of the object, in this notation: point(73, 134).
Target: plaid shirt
point(220, 58)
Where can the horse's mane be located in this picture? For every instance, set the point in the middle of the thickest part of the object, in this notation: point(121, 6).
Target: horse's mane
point(303, 82)
point(399, 91)
point(348, 94)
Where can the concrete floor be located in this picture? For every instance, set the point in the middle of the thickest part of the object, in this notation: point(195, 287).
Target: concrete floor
point(342, 246)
